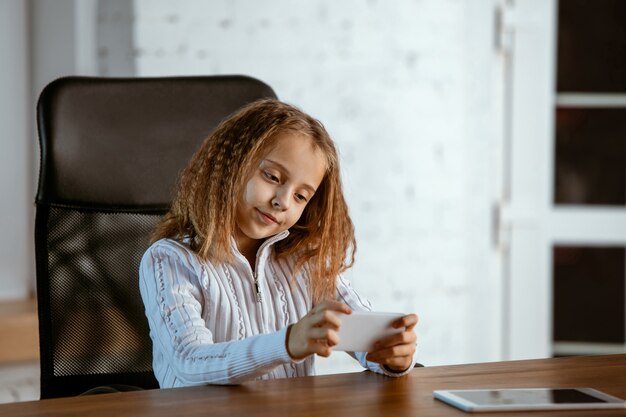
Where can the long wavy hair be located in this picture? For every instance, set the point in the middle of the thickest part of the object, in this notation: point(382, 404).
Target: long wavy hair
point(204, 208)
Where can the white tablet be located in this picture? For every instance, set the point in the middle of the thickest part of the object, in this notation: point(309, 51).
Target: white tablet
point(528, 399)
point(361, 329)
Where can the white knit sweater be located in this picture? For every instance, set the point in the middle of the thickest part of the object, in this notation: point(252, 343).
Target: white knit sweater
point(209, 324)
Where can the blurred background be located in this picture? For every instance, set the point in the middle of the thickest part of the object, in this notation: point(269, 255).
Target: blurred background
point(482, 146)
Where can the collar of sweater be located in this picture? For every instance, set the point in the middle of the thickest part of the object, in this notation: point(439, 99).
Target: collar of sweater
point(264, 249)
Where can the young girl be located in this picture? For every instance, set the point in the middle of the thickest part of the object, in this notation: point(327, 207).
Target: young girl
point(243, 278)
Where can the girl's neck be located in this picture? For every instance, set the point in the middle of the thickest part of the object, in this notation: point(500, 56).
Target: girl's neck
point(248, 247)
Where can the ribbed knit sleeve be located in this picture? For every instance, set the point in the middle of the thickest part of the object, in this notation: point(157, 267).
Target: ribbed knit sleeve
point(185, 350)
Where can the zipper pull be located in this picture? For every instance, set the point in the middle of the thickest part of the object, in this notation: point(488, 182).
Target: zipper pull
point(258, 290)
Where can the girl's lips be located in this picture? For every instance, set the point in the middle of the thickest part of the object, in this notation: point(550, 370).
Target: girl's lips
point(267, 218)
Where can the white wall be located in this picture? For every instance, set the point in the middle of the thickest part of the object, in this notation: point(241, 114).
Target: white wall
point(114, 38)
point(54, 45)
point(16, 164)
point(405, 88)
point(40, 40)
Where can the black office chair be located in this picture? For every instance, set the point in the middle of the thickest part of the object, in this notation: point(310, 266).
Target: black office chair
point(111, 151)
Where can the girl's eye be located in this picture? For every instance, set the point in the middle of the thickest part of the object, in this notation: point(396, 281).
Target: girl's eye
point(270, 176)
point(301, 198)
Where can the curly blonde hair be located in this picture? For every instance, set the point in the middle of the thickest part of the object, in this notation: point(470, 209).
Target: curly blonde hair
point(204, 208)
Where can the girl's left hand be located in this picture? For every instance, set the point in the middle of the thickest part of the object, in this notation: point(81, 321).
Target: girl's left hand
point(396, 351)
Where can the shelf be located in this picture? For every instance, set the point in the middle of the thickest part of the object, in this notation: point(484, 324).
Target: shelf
point(19, 330)
point(587, 348)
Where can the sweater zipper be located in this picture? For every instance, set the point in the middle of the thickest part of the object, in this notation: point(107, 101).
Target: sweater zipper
point(257, 288)
point(259, 299)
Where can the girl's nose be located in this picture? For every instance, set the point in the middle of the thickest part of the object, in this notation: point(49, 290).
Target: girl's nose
point(281, 200)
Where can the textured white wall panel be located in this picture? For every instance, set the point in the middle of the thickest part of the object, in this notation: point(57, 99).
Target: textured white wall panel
point(402, 87)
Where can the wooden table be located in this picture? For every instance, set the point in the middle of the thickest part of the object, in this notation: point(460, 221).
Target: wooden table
point(346, 395)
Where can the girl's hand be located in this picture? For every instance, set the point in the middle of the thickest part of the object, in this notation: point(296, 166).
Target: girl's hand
point(396, 351)
point(317, 331)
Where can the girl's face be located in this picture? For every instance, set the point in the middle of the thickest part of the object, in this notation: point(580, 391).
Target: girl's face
point(279, 189)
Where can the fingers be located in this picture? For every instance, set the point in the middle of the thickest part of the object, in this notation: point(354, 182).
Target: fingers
point(396, 351)
point(324, 318)
point(323, 345)
point(316, 333)
point(396, 363)
point(332, 306)
point(404, 338)
point(324, 314)
point(323, 335)
point(305, 341)
point(409, 321)
point(397, 357)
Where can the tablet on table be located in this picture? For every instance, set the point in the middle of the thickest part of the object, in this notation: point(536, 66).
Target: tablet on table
point(528, 399)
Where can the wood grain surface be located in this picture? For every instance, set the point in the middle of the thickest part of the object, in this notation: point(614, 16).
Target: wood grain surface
point(356, 394)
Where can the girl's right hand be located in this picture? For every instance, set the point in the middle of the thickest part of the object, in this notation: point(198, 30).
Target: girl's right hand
point(317, 331)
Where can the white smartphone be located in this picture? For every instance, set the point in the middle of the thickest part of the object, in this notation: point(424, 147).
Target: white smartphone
point(361, 329)
point(521, 399)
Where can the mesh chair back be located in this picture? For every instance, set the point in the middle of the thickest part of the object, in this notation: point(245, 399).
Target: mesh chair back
point(111, 151)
